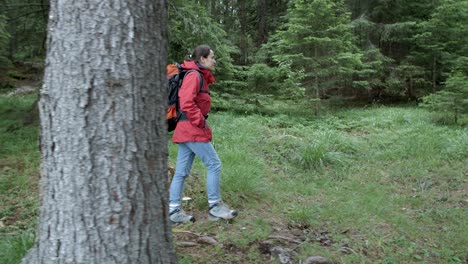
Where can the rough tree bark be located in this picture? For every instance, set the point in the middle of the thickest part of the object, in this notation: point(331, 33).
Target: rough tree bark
point(103, 136)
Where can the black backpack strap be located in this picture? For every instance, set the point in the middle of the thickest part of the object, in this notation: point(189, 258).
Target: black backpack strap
point(182, 115)
point(201, 81)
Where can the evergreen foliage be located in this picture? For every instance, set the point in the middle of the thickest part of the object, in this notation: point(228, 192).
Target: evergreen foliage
point(443, 39)
point(317, 40)
point(358, 49)
point(191, 25)
point(27, 26)
point(453, 99)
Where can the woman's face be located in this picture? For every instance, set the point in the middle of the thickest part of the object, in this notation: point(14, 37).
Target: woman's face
point(209, 62)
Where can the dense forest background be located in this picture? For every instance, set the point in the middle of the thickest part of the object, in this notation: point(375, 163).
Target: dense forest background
point(315, 175)
point(360, 50)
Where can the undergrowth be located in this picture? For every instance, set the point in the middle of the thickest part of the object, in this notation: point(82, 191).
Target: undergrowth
point(19, 171)
point(353, 185)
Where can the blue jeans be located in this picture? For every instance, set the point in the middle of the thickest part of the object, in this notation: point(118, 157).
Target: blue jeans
point(185, 156)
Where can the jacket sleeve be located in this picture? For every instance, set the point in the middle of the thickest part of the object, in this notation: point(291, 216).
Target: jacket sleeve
point(187, 94)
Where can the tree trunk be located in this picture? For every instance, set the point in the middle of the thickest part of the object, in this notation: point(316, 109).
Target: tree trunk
point(262, 13)
point(434, 73)
point(410, 87)
point(243, 32)
point(103, 135)
point(213, 13)
point(13, 42)
point(316, 85)
point(45, 12)
point(316, 80)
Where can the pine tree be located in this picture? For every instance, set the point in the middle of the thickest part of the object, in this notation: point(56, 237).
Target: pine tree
point(27, 24)
point(452, 99)
point(317, 40)
point(442, 41)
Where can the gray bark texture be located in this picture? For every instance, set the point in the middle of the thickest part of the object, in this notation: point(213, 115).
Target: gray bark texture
point(103, 135)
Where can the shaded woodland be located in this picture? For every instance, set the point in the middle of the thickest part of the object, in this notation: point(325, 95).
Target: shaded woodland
point(313, 182)
point(364, 50)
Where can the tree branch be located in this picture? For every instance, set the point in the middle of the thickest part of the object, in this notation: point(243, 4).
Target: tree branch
point(25, 14)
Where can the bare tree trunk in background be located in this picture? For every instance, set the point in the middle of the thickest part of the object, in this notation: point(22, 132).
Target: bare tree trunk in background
point(103, 135)
point(316, 85)
point(45, 12)
point(316, 80)
point(262, 12)
point(410, 91)
point(434, 74)
point(213, 9)
point(13, 42)
point(243, 33)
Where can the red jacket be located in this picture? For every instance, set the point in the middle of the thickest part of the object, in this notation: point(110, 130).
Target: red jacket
point(195, 105)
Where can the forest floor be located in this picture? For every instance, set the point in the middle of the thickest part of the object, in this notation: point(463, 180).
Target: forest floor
point(375, 184)
point(23, 79)
point(358, 185)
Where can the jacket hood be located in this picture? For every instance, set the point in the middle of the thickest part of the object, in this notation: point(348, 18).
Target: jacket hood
point(192, 65)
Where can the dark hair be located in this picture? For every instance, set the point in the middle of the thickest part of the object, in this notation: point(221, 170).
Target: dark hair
point(198, 52)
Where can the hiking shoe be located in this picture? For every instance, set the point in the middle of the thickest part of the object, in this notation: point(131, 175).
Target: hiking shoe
point(221, 211)
point(179, 216)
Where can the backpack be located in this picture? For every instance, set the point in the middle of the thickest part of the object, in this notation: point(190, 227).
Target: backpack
point(175, 76)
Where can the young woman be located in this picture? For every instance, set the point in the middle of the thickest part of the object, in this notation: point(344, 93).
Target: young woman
point(193, 136)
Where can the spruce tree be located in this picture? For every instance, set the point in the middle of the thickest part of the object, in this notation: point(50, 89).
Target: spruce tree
point(452, 99)
point(442, 41)
point(317, 40)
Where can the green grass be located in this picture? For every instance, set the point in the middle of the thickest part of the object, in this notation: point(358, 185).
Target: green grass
point(19, 171)
point(356, 185)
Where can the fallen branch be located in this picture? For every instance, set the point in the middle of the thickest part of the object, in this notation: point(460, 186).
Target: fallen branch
point(186, 232)
point(286, 238)
point(187, 244)
point(347, 250)
point(201, 239)
point(209, 240)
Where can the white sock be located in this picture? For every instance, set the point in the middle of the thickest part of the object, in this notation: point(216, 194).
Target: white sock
point(213, 203)
point(173, 207)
